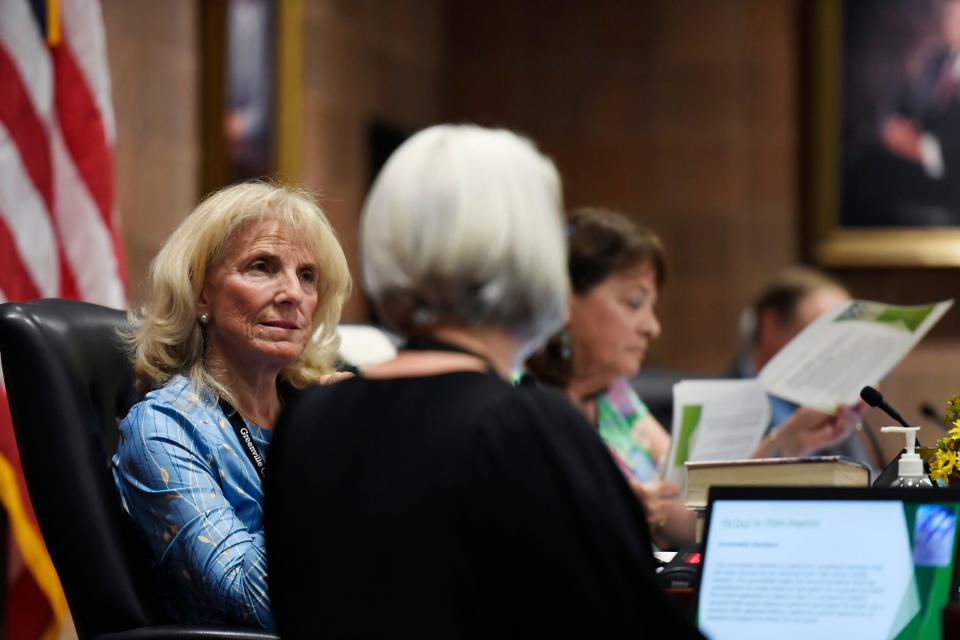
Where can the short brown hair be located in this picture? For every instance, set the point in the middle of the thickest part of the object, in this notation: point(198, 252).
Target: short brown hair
point(784, 292)
point(600, 243)
point(603, 242)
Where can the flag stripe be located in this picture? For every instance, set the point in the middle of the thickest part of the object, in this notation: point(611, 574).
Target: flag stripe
point(24, 42)
point(15, 279)
point(25, 128)
point(33, 610)
point(86, 144)
point(30, 137)
point(26, 217)
point(84, 22)
point(89, 245)
point(82, 129)
point(23, 521)
point(68, 283)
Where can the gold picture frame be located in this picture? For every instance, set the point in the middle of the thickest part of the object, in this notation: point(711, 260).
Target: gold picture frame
point(285, 40)
point(832, 242)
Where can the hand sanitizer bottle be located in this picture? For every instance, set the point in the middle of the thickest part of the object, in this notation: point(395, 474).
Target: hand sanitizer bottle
point(910, 466)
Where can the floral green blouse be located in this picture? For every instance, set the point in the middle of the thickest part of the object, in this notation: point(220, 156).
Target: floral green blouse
point(617, 410)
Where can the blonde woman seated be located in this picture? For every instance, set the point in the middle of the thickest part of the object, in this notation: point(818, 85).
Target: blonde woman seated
point(446, 503)
point(235, 295)
point(617, 270)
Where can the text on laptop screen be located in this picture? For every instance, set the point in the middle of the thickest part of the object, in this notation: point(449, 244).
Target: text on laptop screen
point(827, 569)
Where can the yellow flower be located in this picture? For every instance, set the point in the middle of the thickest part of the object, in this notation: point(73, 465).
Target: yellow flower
point(936, 473)
point(944, 464)
point(949, 461)
point(955, 430)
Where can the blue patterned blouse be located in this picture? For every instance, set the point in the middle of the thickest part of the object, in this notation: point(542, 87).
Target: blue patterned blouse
point(197, 499)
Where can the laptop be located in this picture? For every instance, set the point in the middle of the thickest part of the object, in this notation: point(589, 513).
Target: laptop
point(827, 563)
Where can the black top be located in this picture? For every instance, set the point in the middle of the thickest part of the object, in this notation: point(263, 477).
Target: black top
point(453, 506)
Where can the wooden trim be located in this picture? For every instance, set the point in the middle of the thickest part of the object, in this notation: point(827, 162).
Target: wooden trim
point(289, 90)
point(212, 47)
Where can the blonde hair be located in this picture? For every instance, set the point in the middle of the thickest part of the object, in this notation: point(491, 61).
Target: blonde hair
point(166, 337)
point(466, 224)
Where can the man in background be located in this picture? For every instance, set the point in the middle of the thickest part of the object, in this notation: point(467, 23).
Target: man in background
point(788, 303)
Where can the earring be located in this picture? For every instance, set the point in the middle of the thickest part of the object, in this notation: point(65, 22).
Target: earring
point(424, 317)
point(565, 351)
point(204, 318)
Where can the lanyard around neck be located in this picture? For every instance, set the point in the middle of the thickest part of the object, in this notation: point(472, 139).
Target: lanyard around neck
point(243, 435)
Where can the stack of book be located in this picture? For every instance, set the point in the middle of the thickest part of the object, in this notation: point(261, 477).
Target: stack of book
point(817, 471)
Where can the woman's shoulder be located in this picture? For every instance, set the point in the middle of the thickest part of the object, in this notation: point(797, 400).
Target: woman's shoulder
point(488, 396)
point(478, 400)
point(535, 408)
point(535, 397)
point(443, 387)
point(177, 404)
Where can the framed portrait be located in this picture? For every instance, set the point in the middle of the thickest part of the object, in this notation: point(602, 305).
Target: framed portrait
point(251, 89)
point(883, 132)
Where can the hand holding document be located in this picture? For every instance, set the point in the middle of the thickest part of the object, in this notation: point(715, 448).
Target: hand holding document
point(856, 343)
point(715, 420)
point(853, 344)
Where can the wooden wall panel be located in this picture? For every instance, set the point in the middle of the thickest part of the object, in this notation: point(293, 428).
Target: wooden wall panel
point(151, 49)
point(680, 113)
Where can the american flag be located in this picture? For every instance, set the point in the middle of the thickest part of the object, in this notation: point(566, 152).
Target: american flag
point(58, 225)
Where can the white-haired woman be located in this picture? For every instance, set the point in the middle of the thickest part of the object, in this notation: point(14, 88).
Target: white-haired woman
point(235, 296)
point(429, 497)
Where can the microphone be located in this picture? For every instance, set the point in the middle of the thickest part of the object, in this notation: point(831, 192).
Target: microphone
point(890, 473)
point(875, 399)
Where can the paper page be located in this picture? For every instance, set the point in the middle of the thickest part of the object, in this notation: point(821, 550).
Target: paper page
point(856, 343)
point(715, 420)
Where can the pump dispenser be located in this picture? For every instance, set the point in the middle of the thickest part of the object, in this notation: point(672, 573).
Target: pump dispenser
point(910, 466)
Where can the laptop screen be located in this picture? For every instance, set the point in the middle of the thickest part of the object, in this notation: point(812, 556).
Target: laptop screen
point(827, 563)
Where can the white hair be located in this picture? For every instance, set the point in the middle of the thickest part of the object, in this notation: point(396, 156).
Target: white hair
point(465, 224)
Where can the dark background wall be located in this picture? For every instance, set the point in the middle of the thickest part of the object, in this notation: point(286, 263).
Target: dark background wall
point(680, 113)
point(684, 113)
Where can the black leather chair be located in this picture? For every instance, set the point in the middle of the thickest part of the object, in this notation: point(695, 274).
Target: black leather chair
point(69, 383)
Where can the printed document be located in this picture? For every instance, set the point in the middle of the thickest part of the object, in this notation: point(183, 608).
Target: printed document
point(715, 420)
point(855, 343)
